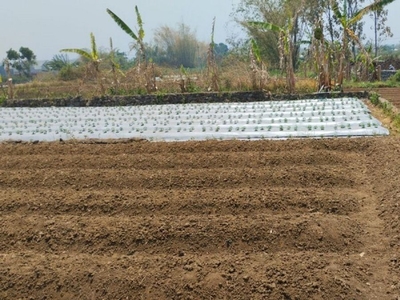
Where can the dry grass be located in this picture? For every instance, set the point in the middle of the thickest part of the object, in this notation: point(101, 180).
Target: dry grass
point(234, 76)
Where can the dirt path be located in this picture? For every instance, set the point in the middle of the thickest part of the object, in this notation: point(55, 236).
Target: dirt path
point(297, 219)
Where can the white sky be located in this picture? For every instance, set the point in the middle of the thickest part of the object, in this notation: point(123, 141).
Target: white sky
point(46, 26)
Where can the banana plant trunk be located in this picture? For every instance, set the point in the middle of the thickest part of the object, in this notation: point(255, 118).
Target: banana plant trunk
point(9, 80)
point(322, 65)
point(342, 60)
point(99, 77)
point(291, 82)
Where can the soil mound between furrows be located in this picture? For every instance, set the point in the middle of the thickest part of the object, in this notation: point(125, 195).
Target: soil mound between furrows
point(296, 219)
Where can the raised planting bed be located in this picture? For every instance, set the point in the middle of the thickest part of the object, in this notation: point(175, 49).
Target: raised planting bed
point(335, 117)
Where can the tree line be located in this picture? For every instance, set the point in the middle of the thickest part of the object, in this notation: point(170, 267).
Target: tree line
point(322, 38)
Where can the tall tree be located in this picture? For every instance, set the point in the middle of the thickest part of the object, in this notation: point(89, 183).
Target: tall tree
point(275, 12)
point(287, 41)
point(221, 50)
point(13, 60)
point(380, 27)
point(179, 47)
point(262, 11)
point(347, 23)
point(22, 61)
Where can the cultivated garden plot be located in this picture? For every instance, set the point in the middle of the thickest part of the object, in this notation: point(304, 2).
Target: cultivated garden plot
point(270, 219)
point(182, 122)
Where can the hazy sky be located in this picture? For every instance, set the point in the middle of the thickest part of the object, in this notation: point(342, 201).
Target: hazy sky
point(46, 26)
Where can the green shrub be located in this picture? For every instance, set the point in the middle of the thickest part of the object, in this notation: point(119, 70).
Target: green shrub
point(3, 98)
point(374, 98)
point(69, 72)
point(386, 107)
point(396, 77)
point(396, 120)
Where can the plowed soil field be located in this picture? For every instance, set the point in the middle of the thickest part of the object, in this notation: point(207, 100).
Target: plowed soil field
point(295, 219)
point(390, 94)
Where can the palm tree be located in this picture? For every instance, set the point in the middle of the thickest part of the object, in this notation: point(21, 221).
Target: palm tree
point(347, 23)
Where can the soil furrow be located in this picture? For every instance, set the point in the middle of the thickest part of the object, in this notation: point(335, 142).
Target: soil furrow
point(298, 176)
point(192, 147)
point(166, 234)
point(295, 219)
point(174, 161)
point(138, 276)
point(204, 201)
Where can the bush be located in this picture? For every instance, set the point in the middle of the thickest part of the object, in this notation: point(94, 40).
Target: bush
point(396, 77)
point(69, 72)
point(374, 97)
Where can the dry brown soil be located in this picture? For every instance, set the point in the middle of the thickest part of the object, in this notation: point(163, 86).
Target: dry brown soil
point(296, 219)
point(390, 94)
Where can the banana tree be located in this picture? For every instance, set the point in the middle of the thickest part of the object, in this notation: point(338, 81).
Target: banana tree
point(115, 67)
point(93, 57)
point(259, 73)
point(137, 37)
point(347, 23)
point(285, 47)
point(322, 56)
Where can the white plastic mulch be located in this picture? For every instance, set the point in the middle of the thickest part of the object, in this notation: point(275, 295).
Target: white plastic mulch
point(340, 117)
